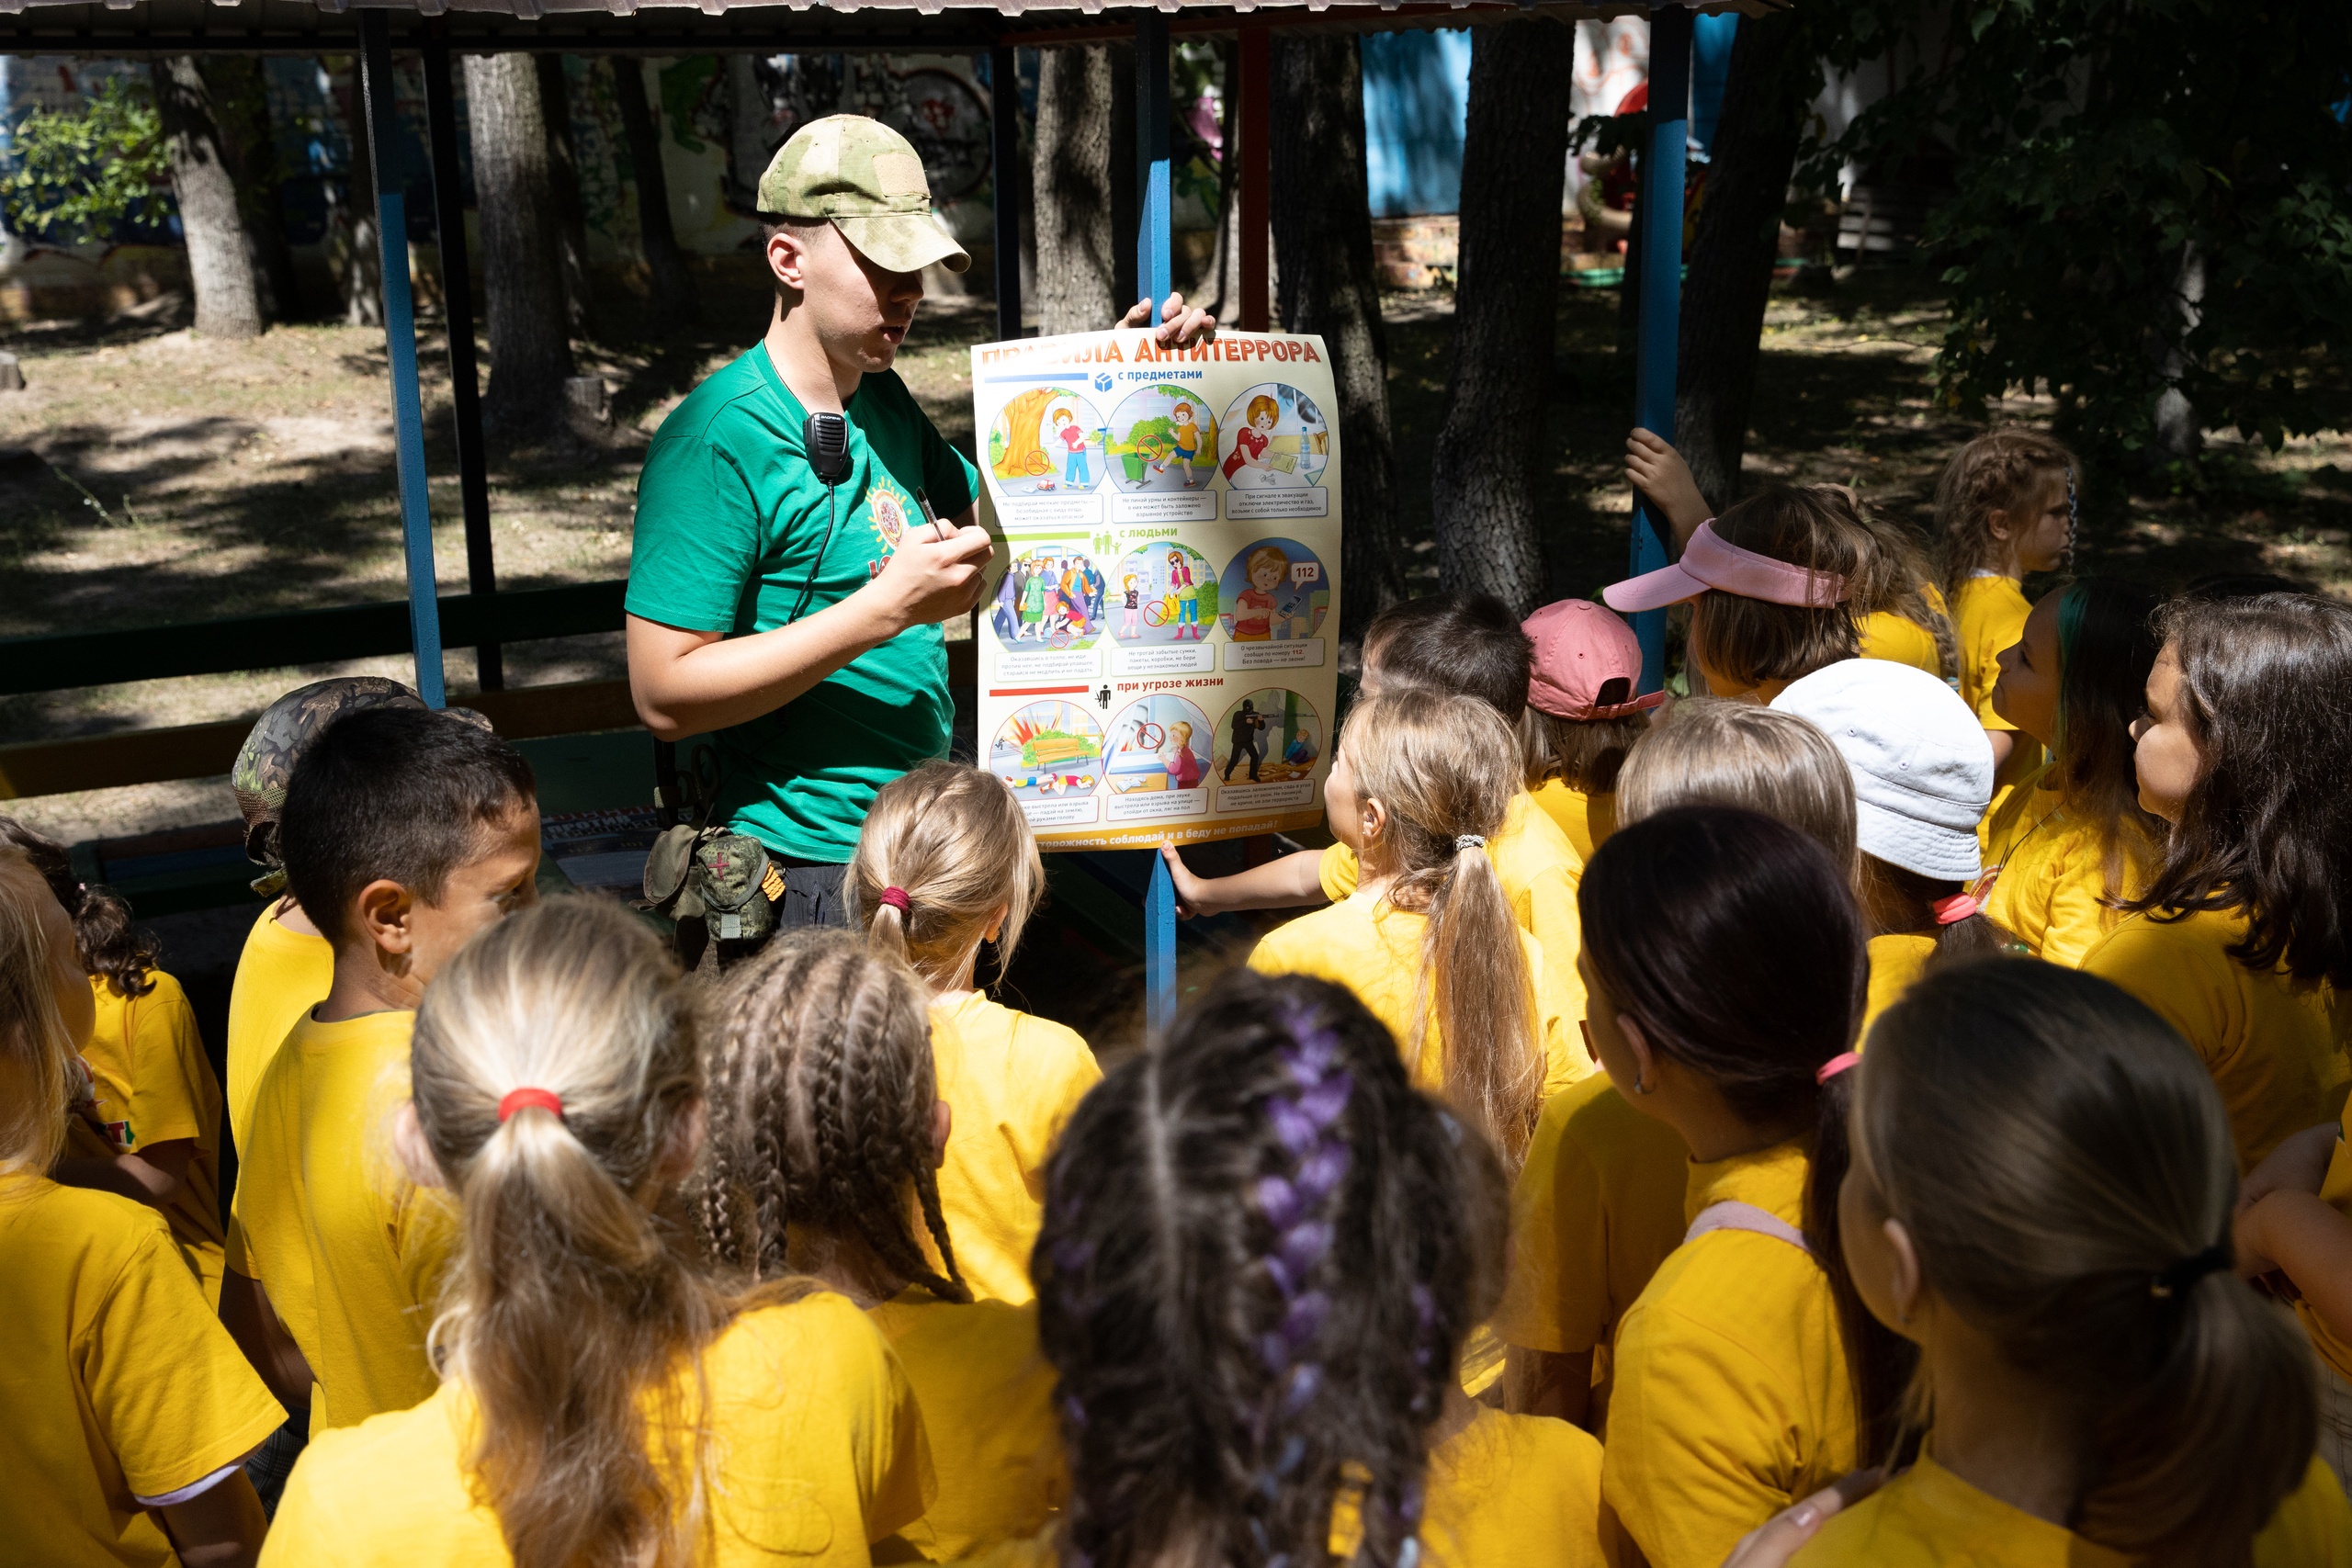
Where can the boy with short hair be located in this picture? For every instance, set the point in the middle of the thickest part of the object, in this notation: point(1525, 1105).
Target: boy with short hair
point(405, 832)
point(1468, 643)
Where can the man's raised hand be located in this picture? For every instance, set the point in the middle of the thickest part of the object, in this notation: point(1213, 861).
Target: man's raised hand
point(929, 579)
point(1178, 328)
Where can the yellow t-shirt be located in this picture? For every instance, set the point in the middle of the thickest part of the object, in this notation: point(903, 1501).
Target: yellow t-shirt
point(2274, 1047)
point(1989, 615)
point(1897, 960)
point(118, 1382)
point(154, 1086)
point(1514, 1492)
point(1587, 819)
point(1732, 1396)
point(1929, 1517)
point(1374, 949)
point(1596, 1209)
point(987, 1394)
point(2048, 872)
point(1011, 1082)
point(1539, 870)
point(2335, 1191)
point(815, 1451)
point(350, 1251)
point(281, 976)
point(1902, 640)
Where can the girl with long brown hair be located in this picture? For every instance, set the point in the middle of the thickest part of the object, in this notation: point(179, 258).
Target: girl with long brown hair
point(945, 864)
point(1418, 785)
point(826, 1130)
point(2039, 1199)
point(602, 1400)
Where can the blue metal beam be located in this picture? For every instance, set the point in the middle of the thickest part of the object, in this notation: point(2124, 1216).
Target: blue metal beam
point(1154, 273)
point(400, 349)
point(1658, 210)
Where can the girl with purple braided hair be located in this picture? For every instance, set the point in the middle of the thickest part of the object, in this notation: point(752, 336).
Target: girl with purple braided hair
point(827, 1131)
point(1261, 1253)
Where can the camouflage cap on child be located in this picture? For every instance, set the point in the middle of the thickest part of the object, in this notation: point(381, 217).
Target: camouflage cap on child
point(868, 179)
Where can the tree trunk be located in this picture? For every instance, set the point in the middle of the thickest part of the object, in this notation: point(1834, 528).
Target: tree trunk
point(530, 340)
point(1484, 476)
point(222, 274)
point(1322, 222)
point(241, 107)
point(2179, 435)
point(674, 289)
point(1731, 259)
point(563, 178)
point(354, 254)
point(1226, 305)
point(1075, 171)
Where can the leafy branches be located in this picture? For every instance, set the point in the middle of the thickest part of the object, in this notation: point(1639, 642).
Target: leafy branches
point(77, 174)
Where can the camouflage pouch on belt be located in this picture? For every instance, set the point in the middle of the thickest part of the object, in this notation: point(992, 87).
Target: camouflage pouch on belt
point(666, 880)
point(728, 869)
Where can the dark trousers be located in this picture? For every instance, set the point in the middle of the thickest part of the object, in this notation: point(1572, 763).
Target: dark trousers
point(1253, 747)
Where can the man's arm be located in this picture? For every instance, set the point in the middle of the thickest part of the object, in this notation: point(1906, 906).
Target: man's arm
point(685, 683)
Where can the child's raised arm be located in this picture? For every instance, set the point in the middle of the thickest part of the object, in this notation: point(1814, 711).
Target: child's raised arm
point(1280, 884)
point(1657, 470)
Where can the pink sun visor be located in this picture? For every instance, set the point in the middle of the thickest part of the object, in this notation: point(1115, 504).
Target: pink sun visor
point(1708, 562)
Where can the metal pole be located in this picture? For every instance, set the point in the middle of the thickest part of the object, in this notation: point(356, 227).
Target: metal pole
point(1159, 949)
point(1152, 269)
point(1004, 114)
point(1256, 120)
point(400, 350)
point(457, 301)
point(1658, 209)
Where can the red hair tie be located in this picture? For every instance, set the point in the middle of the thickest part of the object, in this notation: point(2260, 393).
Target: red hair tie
point(896, 898)
point(1836, 1065)
point(523, 1099)
point(1952, 910)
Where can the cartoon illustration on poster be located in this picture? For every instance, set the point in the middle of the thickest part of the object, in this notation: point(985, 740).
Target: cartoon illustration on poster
point(1158, 653)
point(1163, 437)
point(1052, 596)
point(1274, 591)
point(1048, 439)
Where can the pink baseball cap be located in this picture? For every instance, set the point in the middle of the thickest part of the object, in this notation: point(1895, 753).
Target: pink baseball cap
point(1708, 562)
point(1579, 649)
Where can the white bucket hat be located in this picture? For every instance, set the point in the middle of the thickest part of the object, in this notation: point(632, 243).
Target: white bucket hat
point(1922, 767)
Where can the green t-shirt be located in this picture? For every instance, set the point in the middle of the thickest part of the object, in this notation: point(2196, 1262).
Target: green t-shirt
point(729, 520)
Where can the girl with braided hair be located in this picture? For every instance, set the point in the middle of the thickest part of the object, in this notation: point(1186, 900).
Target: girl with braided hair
point(1262, 1251)
point(1418, 786)
point(603, 1399)
point(155, 1135)
point(1725, 967)
point(826, 1133)
point(946, 862)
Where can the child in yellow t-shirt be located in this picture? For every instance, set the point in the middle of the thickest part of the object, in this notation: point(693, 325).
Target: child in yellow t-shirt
point(945, 862)
point(1922, 777)
point(1418, 785)
point(603, 1399)
point(1332, 1237)
point(153, 1135)
point(1449, 643)
point(824, 1035)
point(2239, 941)
point(2041, 1201)
point(129, 1412)
point(2069, 843)
point(1725, 971)
point(2005, 507)
point(406, 832)
point(1582, 715)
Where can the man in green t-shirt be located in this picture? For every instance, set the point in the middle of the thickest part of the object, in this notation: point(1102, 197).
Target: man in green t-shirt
point(799, 622)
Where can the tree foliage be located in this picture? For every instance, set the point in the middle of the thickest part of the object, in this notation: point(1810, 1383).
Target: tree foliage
point(78, 173)
point(2151, 194)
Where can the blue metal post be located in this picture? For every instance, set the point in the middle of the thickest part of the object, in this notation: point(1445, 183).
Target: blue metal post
point(1153, 272)
point(400, 349)
point(1658, 209)
point(1152, 269)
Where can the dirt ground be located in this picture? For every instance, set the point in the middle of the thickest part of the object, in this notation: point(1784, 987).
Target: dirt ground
point(148, 477)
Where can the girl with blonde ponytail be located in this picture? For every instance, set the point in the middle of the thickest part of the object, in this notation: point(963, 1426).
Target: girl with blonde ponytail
point(1421, 782)
point(946, 863)
point(602, 1400)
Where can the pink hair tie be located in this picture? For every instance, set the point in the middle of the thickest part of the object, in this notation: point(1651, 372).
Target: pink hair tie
point(1952, 910)
point(1836, 1065)
point(525, 1099)
point(1710, 561)
point(896, 898)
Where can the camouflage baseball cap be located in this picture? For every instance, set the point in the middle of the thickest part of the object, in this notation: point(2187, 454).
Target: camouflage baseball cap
point(868, 179)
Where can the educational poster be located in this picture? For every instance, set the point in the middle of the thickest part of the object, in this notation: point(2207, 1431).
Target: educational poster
point(1158, 655)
